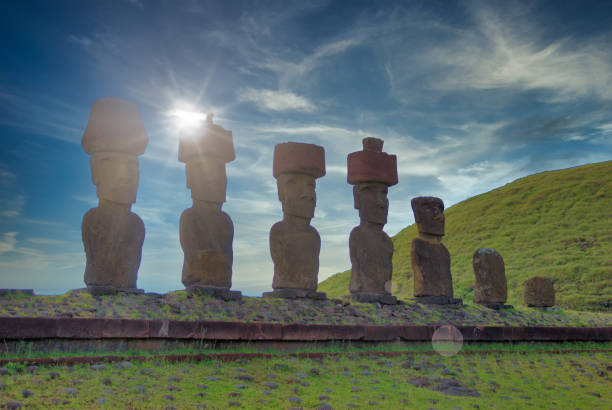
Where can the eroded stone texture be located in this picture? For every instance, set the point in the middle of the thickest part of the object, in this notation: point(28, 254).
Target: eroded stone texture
point(430, 259)
point(112, 234)
point(490, 287)
point(371, 171)
point(294, 243)
point(539, 292)
point(206, 232)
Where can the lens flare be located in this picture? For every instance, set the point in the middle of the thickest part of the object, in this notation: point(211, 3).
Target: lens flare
point(185, 119)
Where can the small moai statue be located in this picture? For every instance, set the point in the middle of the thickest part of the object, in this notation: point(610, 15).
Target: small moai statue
point(433, 283)
point(294, 243)
point(539, 292)
point(206, 232)
point(112, 234)
point(371, 172)
point(491, 289)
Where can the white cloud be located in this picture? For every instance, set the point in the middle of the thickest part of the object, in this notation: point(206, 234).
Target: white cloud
point(504, 53)
point(272, 100)
point(8, 242)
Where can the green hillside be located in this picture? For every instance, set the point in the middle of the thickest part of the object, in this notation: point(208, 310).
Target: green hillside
point(556, 224)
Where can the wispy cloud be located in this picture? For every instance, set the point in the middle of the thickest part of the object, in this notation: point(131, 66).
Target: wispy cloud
point(12, 206)
point(276, 100)
point(80, 40)
point(514, 53)
point(8, 242)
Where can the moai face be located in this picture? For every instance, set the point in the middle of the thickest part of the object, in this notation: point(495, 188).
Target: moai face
point(116, 176)
point(207, 179)
point(297, 193)
point(371, 201)
point(429, 215)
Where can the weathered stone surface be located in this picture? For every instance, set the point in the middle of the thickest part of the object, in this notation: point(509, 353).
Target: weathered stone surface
point(295, 248)
point(206, 236)
point(431, 267)
point(294, 243)
point(113, 238)
point(297, 157)
point(539, 292)
point(429, 257)
point(114, 126)
point(206, 232)
point(383, 298)
point(112, 234)
point(210, 140)
point(490, 272)
point(438, 300)
point(217, 292)
point(288, 293)
point(428, 215)
point(371, 164)
point(371, 250)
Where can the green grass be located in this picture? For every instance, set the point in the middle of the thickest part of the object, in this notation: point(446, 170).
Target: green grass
point(556, 224)
point(502, 380)
point(28, 350)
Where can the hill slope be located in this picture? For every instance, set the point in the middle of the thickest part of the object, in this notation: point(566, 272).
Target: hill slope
point(556, 224)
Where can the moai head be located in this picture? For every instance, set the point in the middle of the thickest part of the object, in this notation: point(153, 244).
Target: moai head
point(115, 137)
point(371, 171)
point(429, 215)
point(296, 167)
point(205, 154)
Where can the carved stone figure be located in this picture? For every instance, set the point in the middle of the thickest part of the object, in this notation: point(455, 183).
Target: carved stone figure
point(112, 234)
point(294, 243)
point(371, 172)
point(539, 292)
point(206, 232)
point(430, 259)
point(491, 288)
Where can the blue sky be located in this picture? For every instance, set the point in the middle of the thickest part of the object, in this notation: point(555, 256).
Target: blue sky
point(468, 95)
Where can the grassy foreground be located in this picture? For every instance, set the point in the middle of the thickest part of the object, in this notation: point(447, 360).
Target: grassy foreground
point(498, 380)
point(555, 224)
point(180, 306)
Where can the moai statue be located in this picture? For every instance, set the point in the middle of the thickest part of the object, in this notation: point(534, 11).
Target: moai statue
point(206, 232)
point(539, 292)
point(433, 283)
point(371, 172)
point(491, 289)
point(294, 243)
point(112, 234)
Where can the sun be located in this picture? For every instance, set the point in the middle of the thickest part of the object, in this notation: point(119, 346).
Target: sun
point(186, 119)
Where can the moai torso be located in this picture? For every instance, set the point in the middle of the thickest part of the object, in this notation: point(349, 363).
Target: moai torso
point(429, 257)
point(431, 266)
point(113, 247)
point(206, 238)
point(490, 274)
point(295, 252)
point(371, 255)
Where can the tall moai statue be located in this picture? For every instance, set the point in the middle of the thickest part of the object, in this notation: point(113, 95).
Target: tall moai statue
point(206, 232)
point(112, 234)
point(371, 172)
point(294, 243)
point(433, 283)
